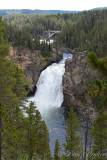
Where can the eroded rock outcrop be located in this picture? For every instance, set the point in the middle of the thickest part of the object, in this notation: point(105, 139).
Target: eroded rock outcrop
point(77, 76)
point(31, 62)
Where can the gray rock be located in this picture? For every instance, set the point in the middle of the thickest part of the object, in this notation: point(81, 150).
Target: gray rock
point(31, 62)
point(75, 81)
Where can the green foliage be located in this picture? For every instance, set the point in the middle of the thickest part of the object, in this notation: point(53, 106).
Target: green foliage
point(38, 136)
point(98, 89)
point(36, 44)
point(35, 24)
point(12, 91)
point(72, 146)
point(25, 30)
point(92, 58)
point(4, 50)
point(45, 49)
point(86, 31)
point(22, 137)
point(98, 92)
point(57, 155)
point(99, 134)
point(100, 64)
point(28, 137)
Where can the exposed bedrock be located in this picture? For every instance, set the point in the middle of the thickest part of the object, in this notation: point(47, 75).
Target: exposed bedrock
point(77, 76)
point(31, 63)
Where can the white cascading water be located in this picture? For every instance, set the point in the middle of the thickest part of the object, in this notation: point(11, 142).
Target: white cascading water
point(48, 99)
point(49, 92)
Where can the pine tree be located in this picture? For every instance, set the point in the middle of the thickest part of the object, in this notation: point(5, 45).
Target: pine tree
point(99, 134)
point(72, 146)
point(98, 90)
point(32, 128)
point(12, 91)
point(0, 130)
point(17, 139)
point(38, 136)
point(4, 48)
point(11, 96)
point(57, 150)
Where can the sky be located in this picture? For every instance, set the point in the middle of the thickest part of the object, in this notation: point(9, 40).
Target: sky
point(53, 4)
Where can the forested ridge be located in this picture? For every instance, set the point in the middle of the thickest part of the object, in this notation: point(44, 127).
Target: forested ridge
point(27, 137)
point(87, 33)
point(4, 12)
point(85, 30)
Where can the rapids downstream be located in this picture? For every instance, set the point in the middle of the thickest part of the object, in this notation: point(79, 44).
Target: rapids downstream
point(48, 99)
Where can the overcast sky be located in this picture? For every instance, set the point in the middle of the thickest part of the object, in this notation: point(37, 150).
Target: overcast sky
point(53, 4)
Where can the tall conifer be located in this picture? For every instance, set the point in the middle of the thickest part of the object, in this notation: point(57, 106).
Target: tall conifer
point(72, 146)
point(99, 134)
point(57, 150)
point(38, 136)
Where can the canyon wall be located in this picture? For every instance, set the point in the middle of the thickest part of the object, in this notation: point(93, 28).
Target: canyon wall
point(31, 63)
point(78, 74)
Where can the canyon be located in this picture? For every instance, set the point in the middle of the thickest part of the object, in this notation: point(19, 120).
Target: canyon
point(78, 74)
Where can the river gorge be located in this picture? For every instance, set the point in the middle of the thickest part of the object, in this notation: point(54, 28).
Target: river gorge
point(58, 86)
point(49, 98)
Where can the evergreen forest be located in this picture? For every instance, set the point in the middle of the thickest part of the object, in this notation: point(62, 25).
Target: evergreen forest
point(23, 133)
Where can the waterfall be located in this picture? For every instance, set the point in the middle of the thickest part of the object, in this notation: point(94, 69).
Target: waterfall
point(49, 92)
point(48, 99)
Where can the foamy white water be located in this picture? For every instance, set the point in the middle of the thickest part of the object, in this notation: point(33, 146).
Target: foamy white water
point(48, 99)
point(49, 92)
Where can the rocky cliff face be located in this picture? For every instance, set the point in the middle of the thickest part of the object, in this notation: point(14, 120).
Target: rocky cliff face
point(31, 62)
point(75, 81)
